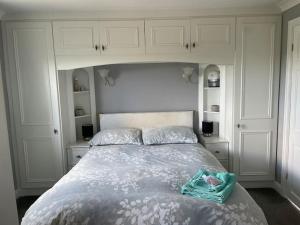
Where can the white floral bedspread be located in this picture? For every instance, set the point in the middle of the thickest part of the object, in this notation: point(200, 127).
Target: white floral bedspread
point(139, 185)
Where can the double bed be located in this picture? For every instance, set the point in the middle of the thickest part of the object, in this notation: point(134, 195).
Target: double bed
point(140, 184)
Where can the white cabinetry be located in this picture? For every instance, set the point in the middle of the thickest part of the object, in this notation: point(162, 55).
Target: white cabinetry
point(84, 99)
point(122, 37)
point(212, 37)
point(76, 37)
point(256, 97)
point(31, 76)
point(90, 43)
point(167, 36)
point(99, 37)
point(218, 147)
point(76, 152)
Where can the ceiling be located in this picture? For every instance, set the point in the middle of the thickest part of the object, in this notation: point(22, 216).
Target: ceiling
point(13, 6)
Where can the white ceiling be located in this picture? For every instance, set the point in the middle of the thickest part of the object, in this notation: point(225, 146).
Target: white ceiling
point(102, 5)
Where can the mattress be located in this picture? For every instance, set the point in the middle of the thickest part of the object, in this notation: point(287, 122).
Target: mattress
point(132, 184)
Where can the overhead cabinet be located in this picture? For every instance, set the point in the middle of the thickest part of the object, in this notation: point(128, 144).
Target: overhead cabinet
point(76, 38)
point(95, 37)
point(122, 37)
point(167, 36)
point(213, 36)
point(204, 38)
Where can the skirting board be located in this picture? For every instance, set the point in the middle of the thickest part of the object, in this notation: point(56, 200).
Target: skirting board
point(264, 184)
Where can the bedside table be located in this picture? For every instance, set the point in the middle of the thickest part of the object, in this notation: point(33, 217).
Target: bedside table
point(76, 151)
point(218, 147)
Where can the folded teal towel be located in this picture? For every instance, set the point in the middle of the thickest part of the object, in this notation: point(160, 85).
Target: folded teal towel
point(197, 187)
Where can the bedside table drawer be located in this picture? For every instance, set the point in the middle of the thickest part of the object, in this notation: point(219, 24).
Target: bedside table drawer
point(220, 150)
point(76, 154)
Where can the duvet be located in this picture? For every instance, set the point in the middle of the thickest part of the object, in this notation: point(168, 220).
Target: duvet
point(130, 184)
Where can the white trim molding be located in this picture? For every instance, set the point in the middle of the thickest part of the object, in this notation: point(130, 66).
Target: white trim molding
point(287, 4)
point(141, 14)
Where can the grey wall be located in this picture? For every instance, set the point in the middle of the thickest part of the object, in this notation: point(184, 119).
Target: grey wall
point(286, 17)
point(147, 87)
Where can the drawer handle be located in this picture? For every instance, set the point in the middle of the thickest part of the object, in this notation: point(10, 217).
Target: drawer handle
point(217, 152)
point(78, 156)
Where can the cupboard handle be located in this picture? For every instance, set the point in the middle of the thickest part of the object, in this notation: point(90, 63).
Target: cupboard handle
point(55, 131)
point(238, 125)
point(96, 47)
point(103, 47)
point(78, 156)
point(187, 46)
point(194, 45)
point(217, 152)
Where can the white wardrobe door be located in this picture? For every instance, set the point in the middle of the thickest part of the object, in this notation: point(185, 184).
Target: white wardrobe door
point(33, 88)
point(122, 37)
point(256, 97)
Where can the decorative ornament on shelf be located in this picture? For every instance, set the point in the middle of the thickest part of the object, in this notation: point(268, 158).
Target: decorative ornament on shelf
point(76, 85)
point(104, 74)
point(213, 79)
point(79, 111)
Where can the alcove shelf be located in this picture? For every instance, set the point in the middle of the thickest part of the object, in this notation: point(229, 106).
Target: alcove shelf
point(72, 99)
point(209, 96)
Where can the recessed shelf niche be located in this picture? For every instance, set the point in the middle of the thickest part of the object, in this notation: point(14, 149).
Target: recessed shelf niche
point(212, 97)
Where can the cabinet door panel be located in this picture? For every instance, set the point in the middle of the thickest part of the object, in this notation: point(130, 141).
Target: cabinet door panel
point(76, 38)
point(256, 97)
point(213, 36)
point(34, 103)
point(255, 146)
point(167, 36)
point(122, 37)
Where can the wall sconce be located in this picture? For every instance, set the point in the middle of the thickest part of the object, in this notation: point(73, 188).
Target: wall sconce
point(104, 74)
point(187, 74)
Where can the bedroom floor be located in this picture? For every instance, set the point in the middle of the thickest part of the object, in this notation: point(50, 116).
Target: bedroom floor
point(278, 210)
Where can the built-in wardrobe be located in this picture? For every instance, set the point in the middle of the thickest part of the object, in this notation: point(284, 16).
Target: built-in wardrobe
point(35, 52)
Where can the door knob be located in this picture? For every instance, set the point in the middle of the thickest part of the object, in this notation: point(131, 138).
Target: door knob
point(238, 125)
point(55, 131)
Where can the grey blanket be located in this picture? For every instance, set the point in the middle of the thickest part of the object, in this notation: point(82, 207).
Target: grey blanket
point(139, 185)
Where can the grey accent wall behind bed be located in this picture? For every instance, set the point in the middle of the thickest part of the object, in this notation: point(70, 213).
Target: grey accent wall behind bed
point(147, 87)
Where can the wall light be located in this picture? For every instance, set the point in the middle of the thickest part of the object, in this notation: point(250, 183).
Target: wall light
point(104, 74)
point(187, 74)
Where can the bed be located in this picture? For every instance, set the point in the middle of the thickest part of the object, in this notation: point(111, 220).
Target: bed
point(139, 184)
